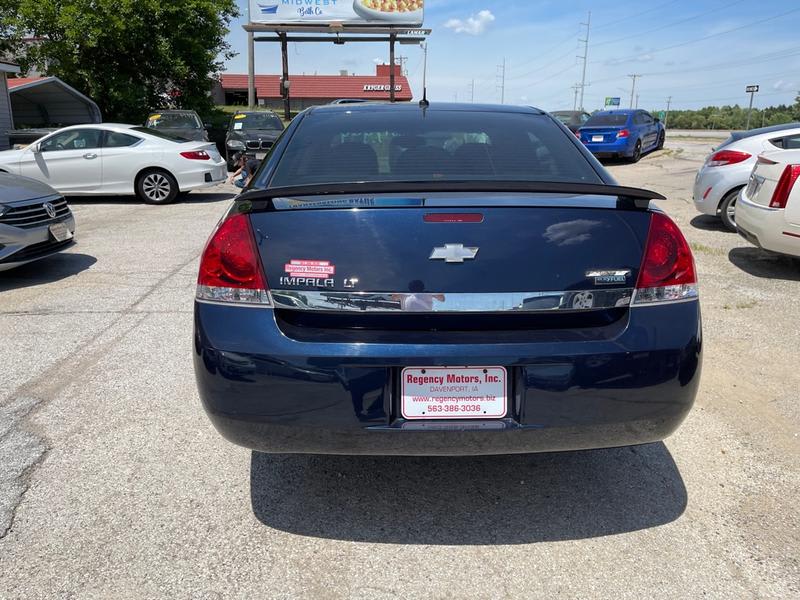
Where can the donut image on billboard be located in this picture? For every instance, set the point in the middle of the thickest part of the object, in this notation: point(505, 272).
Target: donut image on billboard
point(352, 12)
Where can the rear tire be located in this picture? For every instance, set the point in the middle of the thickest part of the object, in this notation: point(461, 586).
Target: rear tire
point(155, 186)
point(727, 209)
point(637, 152)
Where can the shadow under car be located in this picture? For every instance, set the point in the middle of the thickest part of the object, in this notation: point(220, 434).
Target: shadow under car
point(486, 500)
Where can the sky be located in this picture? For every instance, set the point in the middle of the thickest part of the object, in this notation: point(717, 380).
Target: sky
point(699, 52)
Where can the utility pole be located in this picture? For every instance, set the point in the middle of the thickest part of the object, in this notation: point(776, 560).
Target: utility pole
point(637, 102)
point(585, 54)
point(501, 75)
point(402, 60)
point(251, 71)
point(575, 87)
point(750, 89)
point(472, 92)
point(634, 76)
point(666, 116)
point(424, 46)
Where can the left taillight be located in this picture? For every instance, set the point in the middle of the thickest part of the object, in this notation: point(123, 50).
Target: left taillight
point(230, 268)
point(196, 155)
point(667, 273)
point(723, 158)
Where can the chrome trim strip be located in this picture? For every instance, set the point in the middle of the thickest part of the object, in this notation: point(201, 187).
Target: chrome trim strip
point(405, 302)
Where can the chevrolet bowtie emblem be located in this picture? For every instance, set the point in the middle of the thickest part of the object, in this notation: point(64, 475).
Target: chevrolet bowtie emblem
point(453, 253)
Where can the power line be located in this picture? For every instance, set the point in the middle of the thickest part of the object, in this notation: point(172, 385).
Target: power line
point(668, 25)
point(635, 15)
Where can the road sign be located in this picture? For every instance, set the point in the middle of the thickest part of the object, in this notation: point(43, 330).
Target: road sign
point(751, 89)
point(661, 115)
point(612, 101)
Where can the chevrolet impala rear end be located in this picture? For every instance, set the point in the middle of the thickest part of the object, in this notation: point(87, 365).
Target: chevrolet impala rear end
point(443, 280)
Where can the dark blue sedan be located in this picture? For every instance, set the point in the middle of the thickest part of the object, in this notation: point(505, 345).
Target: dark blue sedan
point(443, 280)
point(622, 134)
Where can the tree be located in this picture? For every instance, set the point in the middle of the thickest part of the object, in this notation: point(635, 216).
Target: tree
point(129, 55)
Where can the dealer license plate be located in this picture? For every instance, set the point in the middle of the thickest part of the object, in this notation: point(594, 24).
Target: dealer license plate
point(597, 138)
point(453, 392)
point(60, 232)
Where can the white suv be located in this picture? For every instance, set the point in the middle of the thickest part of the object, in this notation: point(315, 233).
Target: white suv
point(727, 169)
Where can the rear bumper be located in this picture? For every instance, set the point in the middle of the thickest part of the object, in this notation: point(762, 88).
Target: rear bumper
point(767, 228)
point(621, 147)
point(209, 174)
point(718, 181)
point(266, 391)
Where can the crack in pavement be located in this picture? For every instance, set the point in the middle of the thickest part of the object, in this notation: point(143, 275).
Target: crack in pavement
point(21, 449)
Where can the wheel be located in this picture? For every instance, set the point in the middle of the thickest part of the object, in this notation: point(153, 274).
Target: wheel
point(727, 209)
point(637, 152)
point(155, 186)
point(661, 137)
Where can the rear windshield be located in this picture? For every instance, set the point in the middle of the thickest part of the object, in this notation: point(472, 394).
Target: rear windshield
point(256, 121)
point(606, 120)
point(379, 145)
point(173, 121)
point(565, 118)
point(160, 134)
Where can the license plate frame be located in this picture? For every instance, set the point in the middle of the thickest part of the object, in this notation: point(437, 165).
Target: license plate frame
point(597, 138)
point(60, 232)
point(455, 393)
point(260, 155)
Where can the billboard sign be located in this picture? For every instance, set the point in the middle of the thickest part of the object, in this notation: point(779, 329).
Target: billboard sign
point(350, 12)
point(612, 102)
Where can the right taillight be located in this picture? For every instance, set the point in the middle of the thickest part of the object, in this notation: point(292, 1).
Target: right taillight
point(623, 133)
point(667, 273)
point(785, 184)
point(230, 270)
point(726, 157)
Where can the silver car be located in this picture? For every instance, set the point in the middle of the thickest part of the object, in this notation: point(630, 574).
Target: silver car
point(727, 169)
point(35, 221)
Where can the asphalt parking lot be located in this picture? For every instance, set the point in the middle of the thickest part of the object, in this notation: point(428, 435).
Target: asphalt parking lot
point(113, 484)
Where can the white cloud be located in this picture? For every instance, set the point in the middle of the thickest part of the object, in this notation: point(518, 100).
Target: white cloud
point(784, 86)
point(473, 25)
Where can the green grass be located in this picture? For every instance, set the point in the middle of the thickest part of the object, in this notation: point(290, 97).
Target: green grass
point(702, 248)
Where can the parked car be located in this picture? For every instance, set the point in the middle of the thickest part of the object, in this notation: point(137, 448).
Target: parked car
point(182, 124)
point(503, 295)
point(768, 212)
point(115, 159)
point(727, 169)
point(573, 119)
point(35, 221)
point(350, 101)
point(622, 134)
point(252, 132)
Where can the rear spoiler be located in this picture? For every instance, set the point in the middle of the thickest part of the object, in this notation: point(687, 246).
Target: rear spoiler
point(364, 193)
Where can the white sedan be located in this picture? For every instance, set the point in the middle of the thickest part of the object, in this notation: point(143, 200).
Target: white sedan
point(768, 211)
point(115, 159)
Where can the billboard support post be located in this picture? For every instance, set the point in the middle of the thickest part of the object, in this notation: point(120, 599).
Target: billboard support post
point(251, 69)
point(392, 39)
point(287, 108)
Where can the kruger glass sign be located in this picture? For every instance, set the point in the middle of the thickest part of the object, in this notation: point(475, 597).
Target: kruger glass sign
point(321, 12)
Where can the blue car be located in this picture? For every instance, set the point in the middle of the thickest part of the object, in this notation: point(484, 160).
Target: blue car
point(443, 280)
point(622, 134)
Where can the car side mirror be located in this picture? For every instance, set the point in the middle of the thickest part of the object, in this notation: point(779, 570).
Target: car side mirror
point(36, 147)
point(656, 119)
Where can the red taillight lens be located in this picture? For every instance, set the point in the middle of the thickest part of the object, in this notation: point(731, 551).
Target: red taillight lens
point(785, 184)
point(623, 133)
point(230, 270)
point(667, 273)
point(196, 155)
point(726, 157)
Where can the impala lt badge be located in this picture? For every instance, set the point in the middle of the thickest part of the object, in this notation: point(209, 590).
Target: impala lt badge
point(453, 253)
